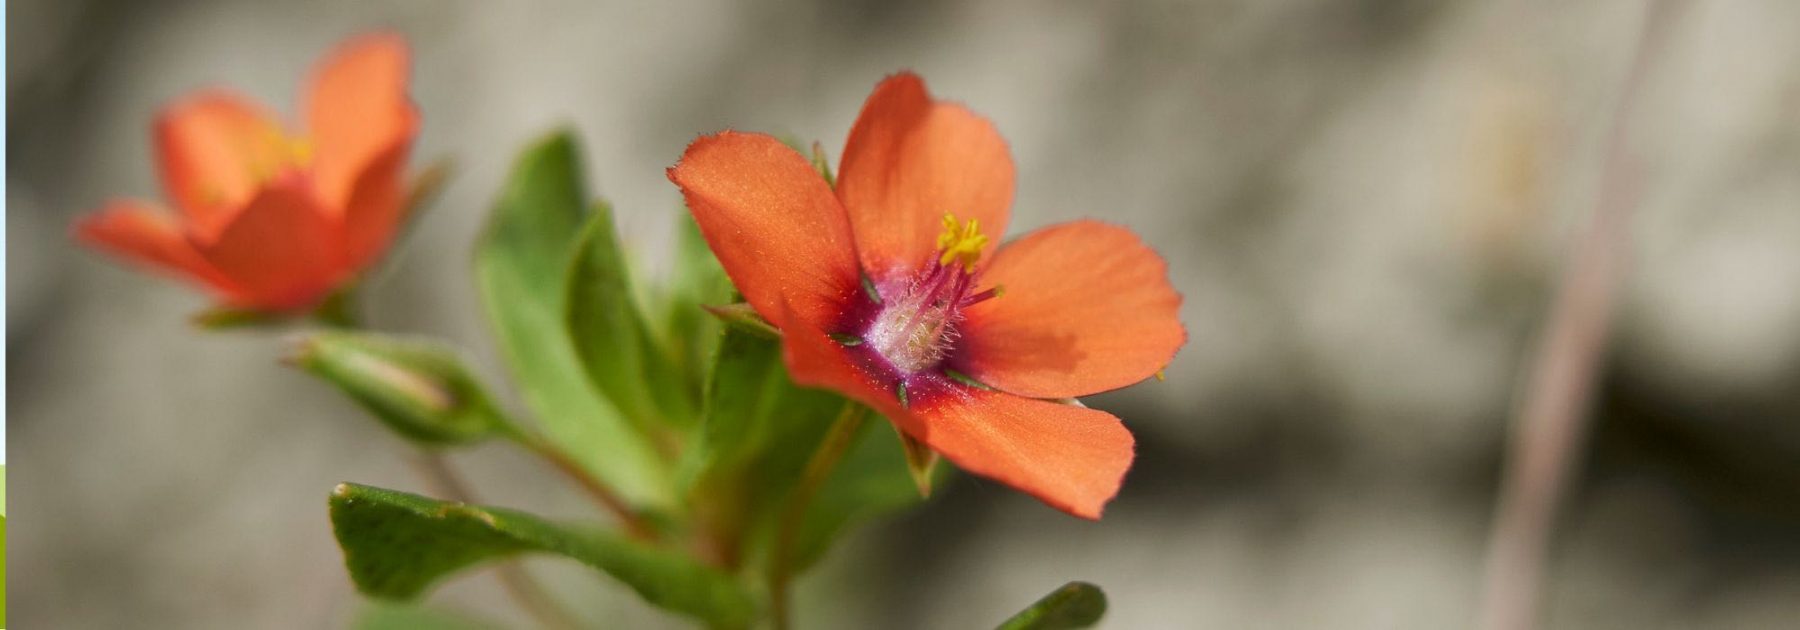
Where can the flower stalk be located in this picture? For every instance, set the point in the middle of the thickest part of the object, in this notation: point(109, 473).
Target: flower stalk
point(602, 494)
point(824, 460)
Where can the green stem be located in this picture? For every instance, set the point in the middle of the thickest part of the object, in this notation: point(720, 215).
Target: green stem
point(596, 489)
point(818, 469)
point(338, 311)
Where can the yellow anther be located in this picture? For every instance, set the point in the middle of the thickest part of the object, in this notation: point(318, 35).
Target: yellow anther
point(961, 242)
point(283, 152)
point(300, 150)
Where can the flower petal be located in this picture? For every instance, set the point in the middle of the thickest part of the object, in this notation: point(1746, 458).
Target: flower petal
point(280, 250)
point(376, 208)
point(1066, 455)
point(908, 161)
point(215, 149)
point(773, 223)
point(1087, 307)
point(1070, 457)
point(151, 238)
point(815, 360)
point(357, 111)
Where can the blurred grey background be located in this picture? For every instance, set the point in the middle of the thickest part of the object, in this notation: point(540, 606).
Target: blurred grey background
point(1364, 203)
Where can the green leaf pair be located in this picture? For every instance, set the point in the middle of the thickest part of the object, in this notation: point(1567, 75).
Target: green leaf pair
point(521, 265)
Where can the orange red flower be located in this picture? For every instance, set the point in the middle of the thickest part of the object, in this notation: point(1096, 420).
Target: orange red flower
point(889, 289)
point(271, 219)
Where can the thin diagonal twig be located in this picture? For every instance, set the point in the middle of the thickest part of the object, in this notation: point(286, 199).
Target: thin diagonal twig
point(1552, 418)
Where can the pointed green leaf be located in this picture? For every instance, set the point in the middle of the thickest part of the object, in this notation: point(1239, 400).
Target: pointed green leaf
point(874, 479)
point(616, 348)
point(397, 545)
point(696, 280)
point(1075, 605)
point(520, 264)
point(759, 431)
point(418, 388)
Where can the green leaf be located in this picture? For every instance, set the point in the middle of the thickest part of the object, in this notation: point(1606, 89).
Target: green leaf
point(380, 615)
point(616, 348)
point(1075, 605)
point(418, 388)
point(397, 545)
point(873, 480)
point(759, 431)
point(696, 281)
point(519, 264)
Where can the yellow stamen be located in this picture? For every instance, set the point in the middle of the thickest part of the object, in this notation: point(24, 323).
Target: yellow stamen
point(961, 242)
point(290, 152)
point(300, 150)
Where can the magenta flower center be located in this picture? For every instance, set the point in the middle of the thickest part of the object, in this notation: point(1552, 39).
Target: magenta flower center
point(913, 322)
point(916, 329)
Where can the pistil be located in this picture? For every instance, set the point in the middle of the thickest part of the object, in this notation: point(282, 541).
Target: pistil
point(916, 328)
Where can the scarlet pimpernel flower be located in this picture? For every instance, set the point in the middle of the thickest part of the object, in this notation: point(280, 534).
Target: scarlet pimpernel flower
point(890, 288)
point(269, 219)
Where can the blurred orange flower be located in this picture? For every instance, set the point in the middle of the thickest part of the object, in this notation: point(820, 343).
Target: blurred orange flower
point(888, 289)
point(271, 220)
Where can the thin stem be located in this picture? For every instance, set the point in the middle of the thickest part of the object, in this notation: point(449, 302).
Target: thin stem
point(1552, 419)
point(818, 469)
point(339, 311)
point(525, 590)
point(602, 494)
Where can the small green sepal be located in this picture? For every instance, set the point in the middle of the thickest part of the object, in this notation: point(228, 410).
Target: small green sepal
point(819, 161)
point(868, 286)
point(920, 462)
point(742, 317)
point(966, 380)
